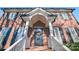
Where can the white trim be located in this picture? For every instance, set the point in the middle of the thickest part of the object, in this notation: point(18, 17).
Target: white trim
point(33, 13)
point(38, 14)
point(41, 10)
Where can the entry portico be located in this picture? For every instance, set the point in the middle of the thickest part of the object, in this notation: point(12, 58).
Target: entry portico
point(38, 18)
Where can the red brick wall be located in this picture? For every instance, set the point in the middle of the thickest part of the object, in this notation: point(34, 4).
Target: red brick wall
point(66, 23)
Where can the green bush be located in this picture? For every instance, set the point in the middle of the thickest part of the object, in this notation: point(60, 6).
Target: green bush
point(73, 46)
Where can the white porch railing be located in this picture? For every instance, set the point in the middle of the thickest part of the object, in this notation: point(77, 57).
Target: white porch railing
point(57, 46)
point(17, 46)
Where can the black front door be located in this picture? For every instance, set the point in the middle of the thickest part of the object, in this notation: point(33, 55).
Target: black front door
point(38, 37)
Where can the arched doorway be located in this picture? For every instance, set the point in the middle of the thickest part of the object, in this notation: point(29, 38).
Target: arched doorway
point(39, 31)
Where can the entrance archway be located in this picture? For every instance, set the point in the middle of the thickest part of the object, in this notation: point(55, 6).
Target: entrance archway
point(38, 20)
point(39, 31)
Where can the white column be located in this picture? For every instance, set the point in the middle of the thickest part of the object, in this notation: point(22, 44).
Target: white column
point(51, 34)
point(51, 29)
point(26, 41)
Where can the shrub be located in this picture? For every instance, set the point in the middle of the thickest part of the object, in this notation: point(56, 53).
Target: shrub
point(73, 46)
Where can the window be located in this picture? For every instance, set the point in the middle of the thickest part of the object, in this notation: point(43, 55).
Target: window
point(64, 15)
point(77, 31)
point(73, 34)
point(12, 15)
point(69, 35)
point(58, 34)
point(62, 34)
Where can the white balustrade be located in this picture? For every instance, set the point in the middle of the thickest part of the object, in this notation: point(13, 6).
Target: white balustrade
point(20, 44)
point(17, 46)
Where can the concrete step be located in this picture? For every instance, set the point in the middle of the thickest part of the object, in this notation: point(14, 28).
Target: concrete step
point(39, 48)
